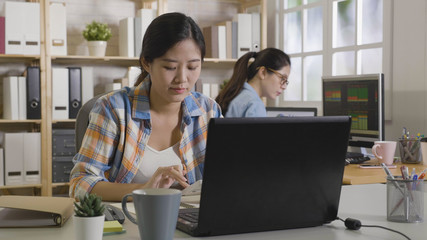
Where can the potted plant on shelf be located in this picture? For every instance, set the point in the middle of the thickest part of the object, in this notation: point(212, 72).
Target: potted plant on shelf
point(89, 218)
point(97, 34)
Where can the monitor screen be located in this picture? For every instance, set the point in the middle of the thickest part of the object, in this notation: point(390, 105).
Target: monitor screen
point(291, 112)
point(361, 97)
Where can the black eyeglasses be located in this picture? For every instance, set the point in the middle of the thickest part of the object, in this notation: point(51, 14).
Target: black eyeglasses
point(283, 79)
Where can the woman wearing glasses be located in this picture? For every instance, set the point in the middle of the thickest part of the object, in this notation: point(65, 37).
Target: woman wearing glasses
point(266, 76)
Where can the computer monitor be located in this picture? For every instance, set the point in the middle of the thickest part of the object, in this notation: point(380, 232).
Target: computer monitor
point(361, 97)
point(291, 112)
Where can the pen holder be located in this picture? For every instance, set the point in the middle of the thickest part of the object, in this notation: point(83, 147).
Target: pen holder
point(405, 200)
point(410, 150)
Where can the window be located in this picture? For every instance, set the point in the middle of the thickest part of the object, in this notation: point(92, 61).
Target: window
point(330, 37)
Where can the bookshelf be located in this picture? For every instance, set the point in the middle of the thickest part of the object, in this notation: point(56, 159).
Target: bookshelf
point(79, 12)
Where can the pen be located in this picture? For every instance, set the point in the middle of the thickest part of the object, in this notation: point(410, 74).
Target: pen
point(387, 171)
point(413, 173)
point(404, 172)
point(422, 174)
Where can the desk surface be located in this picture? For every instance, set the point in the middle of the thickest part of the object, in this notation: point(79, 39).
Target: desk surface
point(353, 174)
point(364, 202)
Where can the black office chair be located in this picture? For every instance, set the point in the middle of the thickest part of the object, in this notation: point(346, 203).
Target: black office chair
point(82, 120)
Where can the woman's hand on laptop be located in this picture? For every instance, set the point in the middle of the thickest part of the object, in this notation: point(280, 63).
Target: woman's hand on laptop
point(164, 177)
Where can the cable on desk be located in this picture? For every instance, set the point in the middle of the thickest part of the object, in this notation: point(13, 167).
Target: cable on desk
point(355, 224)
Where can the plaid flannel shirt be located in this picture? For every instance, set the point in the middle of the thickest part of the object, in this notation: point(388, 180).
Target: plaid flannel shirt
point(119, 129)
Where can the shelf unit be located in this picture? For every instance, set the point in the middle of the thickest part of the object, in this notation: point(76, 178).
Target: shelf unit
point(46, 61)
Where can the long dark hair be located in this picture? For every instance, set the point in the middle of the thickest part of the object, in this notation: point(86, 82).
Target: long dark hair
point(163, 33)
point(272, 58)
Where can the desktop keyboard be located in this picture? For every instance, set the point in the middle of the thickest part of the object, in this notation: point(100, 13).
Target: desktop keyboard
point(355, 158)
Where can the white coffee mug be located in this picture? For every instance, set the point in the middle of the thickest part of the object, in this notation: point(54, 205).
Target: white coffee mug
point(384, 151)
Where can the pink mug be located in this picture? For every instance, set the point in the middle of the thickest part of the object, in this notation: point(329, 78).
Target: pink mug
point(384, 151)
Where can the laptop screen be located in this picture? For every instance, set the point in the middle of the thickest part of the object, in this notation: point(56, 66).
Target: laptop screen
point(272, 173)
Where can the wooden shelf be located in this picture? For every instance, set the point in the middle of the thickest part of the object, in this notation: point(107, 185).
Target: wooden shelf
point(61, 184)
point(35, 121)
point(16, 58)
point(90, 60)
point(21, 186)
point(64, 121)
point(119, 61)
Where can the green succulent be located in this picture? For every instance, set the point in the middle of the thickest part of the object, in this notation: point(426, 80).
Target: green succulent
point(89, 206)
point(96, 31)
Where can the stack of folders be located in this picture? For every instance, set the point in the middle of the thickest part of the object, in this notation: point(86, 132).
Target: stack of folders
point(21, 28)
point(232, 39)
point(132, 30)
point(21, 96)
point(71, 88)
point(22, 158)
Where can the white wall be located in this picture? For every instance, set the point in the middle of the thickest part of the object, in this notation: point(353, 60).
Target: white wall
point(409, 90)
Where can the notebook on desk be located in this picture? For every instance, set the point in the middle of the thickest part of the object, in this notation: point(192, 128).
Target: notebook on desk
point(265, 174)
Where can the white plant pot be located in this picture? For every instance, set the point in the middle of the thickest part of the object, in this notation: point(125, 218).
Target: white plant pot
point(97, 48)
point(88, 228)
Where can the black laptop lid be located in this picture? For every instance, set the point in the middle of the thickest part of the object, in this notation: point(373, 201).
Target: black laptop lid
point(272, 173)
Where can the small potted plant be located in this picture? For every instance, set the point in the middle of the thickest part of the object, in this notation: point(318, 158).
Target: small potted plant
point(97, 34)
point(89, 217)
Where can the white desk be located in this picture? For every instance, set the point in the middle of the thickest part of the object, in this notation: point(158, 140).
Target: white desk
point(364, 202)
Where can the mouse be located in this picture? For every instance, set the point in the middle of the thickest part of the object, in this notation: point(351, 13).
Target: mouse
point(114, 214)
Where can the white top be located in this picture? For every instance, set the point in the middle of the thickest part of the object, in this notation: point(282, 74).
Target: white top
point(154, 159)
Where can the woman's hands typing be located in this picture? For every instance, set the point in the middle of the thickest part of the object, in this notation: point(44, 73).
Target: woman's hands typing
point(164, 177)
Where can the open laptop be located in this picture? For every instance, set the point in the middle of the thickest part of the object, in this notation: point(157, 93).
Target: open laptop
point(265, 174)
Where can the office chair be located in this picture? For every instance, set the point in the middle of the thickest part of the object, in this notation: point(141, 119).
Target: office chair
point(82, 120)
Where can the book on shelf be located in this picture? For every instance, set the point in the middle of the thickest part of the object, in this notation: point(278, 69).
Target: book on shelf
point(32, 157)
point(244, 33)
point(143, 19)
point(126, 37)
point(22, 98)
point(74, 91)
point(222, 42)
point(33, 93)
point(256, 32)
point(109, 87)
point(22, 27)
point(228, 38)
point(210, 33)
point(87, 84)
point(22, 167)
point(132, 75)
point(233, 38)
point(58, 29)
point(123, 81)
point(10, 98)
point(60, 93)
point(13, 158)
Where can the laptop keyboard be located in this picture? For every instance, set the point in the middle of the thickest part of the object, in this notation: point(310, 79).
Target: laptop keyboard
point(191, 217)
